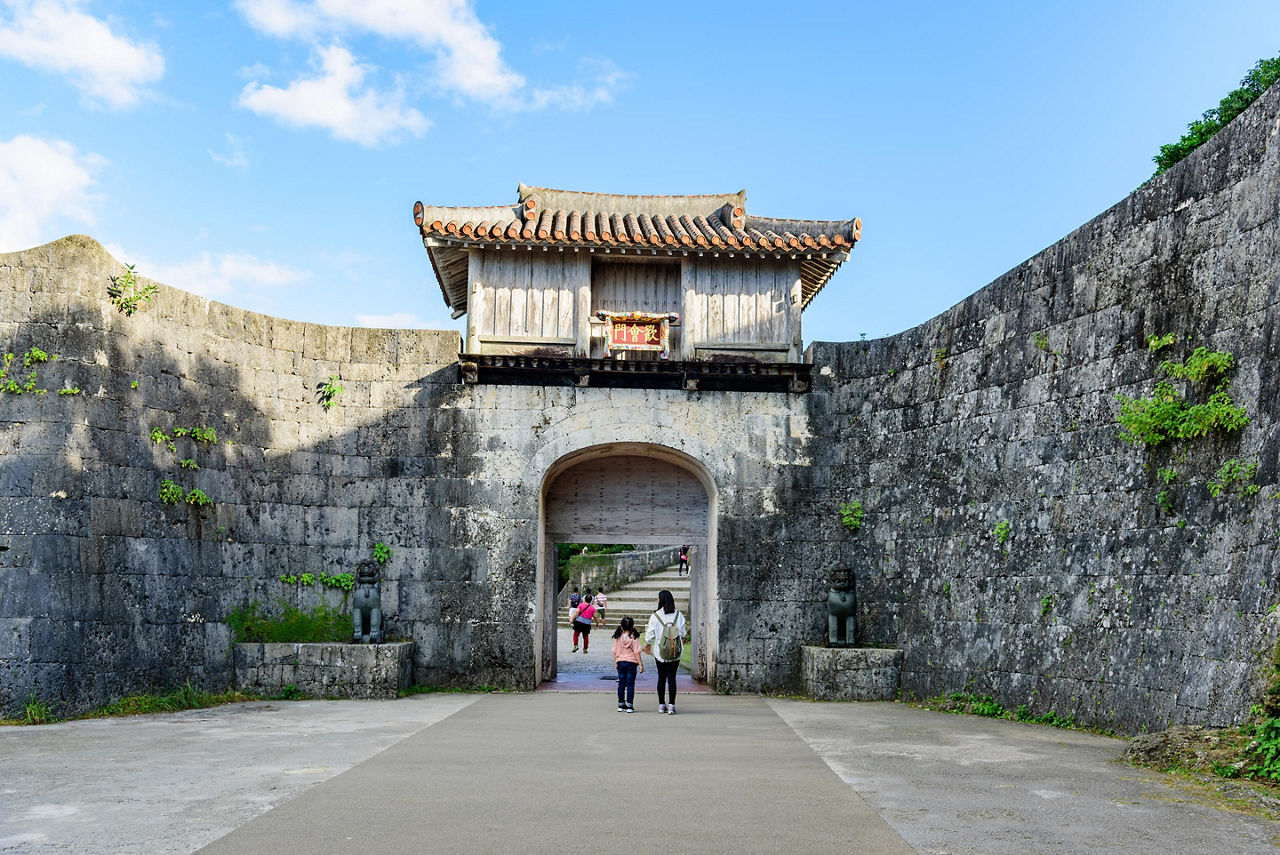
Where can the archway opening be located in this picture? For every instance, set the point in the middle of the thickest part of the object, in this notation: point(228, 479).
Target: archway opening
point(634, 493)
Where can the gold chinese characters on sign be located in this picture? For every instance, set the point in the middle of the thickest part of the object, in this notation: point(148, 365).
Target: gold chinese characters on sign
point(637, 331)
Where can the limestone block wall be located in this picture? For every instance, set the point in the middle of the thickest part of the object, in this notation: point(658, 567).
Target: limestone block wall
point(105, 589)
point(1100, 604)
point(748, 443)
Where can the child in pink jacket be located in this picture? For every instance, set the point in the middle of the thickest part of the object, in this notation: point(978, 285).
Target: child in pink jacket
point(626, 657)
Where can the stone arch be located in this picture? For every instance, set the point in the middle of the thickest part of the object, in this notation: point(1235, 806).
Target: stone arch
point(599, 517)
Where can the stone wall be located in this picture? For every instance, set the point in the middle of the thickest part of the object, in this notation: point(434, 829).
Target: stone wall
point(324, 670)
point(1100, 604)
point(105, 589)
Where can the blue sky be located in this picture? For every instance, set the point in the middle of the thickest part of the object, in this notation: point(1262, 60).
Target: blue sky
point(268, 153)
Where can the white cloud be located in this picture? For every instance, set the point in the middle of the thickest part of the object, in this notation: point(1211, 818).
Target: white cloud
point(337, 100)
point(42, 180)
point(216, 275)
point(236, 158)
point(58, 36)
point(606, 79)
point(393, 321)
point(469, 59)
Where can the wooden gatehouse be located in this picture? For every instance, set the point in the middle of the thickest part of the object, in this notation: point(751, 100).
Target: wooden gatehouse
point(597, 289)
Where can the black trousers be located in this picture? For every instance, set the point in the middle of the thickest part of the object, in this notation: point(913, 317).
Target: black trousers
point(667, 680)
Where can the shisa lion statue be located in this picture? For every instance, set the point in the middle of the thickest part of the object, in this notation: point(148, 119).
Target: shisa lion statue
point(841, 609)
point(366, 605)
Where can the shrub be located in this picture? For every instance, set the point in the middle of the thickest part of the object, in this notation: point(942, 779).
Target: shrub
point(1261, 76)
point(1264, 753)
point(322, 623)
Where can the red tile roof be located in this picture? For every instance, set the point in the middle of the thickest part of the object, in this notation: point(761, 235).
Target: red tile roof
point(644, 224)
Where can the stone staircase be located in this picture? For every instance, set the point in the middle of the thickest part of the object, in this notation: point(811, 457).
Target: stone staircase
point(639, 599)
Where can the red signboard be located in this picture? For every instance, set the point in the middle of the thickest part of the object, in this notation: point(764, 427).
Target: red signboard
point(636, 335)
point(637, 331)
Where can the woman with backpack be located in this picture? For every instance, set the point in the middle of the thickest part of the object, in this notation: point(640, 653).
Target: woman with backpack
point(664, 641)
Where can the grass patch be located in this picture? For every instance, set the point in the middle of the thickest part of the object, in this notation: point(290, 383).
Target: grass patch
point(188, 696)
point(966, 703)
point(249, 624)
point(1231, 768)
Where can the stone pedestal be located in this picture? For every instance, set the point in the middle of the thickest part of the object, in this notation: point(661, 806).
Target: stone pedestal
point(850, 673)
point(325, 670)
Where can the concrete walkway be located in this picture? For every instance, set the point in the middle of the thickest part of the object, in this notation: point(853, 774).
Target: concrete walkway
point(594, 671)
point(544, 772)
point(568, 773)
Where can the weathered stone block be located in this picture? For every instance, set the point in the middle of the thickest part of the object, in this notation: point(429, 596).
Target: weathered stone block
point(850, 673)
point(328, 670)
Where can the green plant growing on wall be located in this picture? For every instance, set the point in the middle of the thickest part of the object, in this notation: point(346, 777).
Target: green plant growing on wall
point(1168, 475)
point(133, 385)
point(330, 390)
point(1158, 342)
point(1041, 339)
point(74, 390)
point(381, 553)
point(125, 294)
point(1001, 532)
point(33, 357)
point(1168, 415)
point(158, 436)
point(1232, 472)
point(198, 498)
point(1200, 365)
point(170, 493)
point(1164, 500)
point(1046, 604)
point(940, 357)
point(204, 434)
point(189, 463)
point(851, 515)
point(1262, 75)
point(341, 581)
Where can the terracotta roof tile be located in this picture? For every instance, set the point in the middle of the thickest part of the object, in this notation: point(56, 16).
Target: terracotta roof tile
point(692, 223)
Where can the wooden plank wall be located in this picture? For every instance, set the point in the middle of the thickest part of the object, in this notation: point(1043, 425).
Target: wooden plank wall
point(634, 287)
point(627, 499)
point(526, 294)
point(738, 301)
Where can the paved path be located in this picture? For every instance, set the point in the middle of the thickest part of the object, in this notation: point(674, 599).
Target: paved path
point(516, 773)
point(568, 773)
point(171, 783)
point(594, 671)
point(966, 785)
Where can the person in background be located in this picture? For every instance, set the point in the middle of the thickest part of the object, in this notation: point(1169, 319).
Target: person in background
point(601, 603)
point(582, 624)
point(628, 661)
point(684, 562)
point(665, 622)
